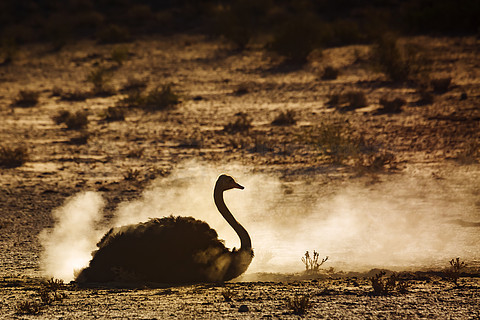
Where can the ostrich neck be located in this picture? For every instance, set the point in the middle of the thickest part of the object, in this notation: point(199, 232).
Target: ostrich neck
point(246, 243)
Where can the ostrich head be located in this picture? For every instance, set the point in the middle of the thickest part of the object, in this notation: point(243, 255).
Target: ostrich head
point(225, 182)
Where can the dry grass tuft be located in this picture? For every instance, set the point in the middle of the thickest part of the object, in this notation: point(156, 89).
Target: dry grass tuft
point(285, 118)
point(12, 157)
point(73, 121)
point(27, 98)
point(299, 304)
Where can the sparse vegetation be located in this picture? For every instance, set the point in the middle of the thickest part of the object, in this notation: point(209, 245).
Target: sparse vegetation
point(28, 307)
point(399, 62)
point(73, 121)
point(383, 285)
point(12, 157)
point(100, 79)
point(330, 73)
point(285, 118)
point(47, 294)
point(115, 114)
point(348, 101)
point(136, 153)
point(27, 98)
point(242, 123)
point(131, 174)
point(390, 106)
point(120, 55)
point(455, 270)
point(311, 263)
point(299, 304)
point(159, 99)
point(228, 294)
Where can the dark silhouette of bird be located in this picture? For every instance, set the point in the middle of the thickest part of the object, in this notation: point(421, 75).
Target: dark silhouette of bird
point(171, 250)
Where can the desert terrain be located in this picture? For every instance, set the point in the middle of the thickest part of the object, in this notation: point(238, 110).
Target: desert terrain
point(224, 103)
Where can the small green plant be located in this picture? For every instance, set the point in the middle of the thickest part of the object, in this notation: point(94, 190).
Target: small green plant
point(242, 123)
point(329, 73)
point(12, 157)
point(311, 262)
point(73, 121)
point(299, 304)
point(455, 270)
point(27, 98)
point(285, 118)
point(120, 55)
point(28, 307)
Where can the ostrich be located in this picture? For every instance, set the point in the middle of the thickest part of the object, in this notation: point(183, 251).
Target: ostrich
point(171, 249)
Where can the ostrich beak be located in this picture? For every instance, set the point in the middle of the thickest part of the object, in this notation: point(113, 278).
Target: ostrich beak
point(236, 185)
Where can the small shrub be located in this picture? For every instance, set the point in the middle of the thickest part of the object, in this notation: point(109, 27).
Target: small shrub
point(242, 123)
point(100, 78)
point(299, 305)
point(356, 100)
point(73, 121)
point(311, 262)
point(296, 39)
point(54, 284)
point(115, 114)
point(28, 307)
point(113, 34)
point(330, 73)
point(228, 294)
point(120, 55)
point(134, 84)
point(132, 175)
point(453, 274)
point(8, 50)
point(398, 62)
point(391, 106)
point(27, 98)
point(12, 157)
point(383, 286)
point(161, 99)
point(285, 118)
point(136, 153)
point(441, 85)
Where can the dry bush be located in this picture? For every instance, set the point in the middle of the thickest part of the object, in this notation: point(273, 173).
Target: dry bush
point(391, 105)
point(113, 34)
point(329, 73)
point(28, 307)
point(27, 98)
point(159, 99)
point(242, 123)
point(453, 273)
point(297, 38)
point(399, 62)
point(136, 153)
point(228, 294)
point(135, 85)
point(120, 54)
point(383, 285)
point(285, 118)
point(12, 157)
point(73, 121)
point(441, 85)
point(131, 174)
point(299, 304)
point(311, 262)
point(100, 79)
point(115, 114)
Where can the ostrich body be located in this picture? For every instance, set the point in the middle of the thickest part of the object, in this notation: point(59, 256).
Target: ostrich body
point(171, 249)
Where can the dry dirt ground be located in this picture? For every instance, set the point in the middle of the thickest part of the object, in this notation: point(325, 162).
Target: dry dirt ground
point(215, 83)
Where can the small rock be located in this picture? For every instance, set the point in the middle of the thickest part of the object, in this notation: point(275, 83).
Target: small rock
point(243, 308)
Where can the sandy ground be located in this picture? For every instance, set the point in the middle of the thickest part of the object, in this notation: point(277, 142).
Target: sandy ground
point(214, 84)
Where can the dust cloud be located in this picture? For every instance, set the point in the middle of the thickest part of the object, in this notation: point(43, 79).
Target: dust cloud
point(408, 221)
